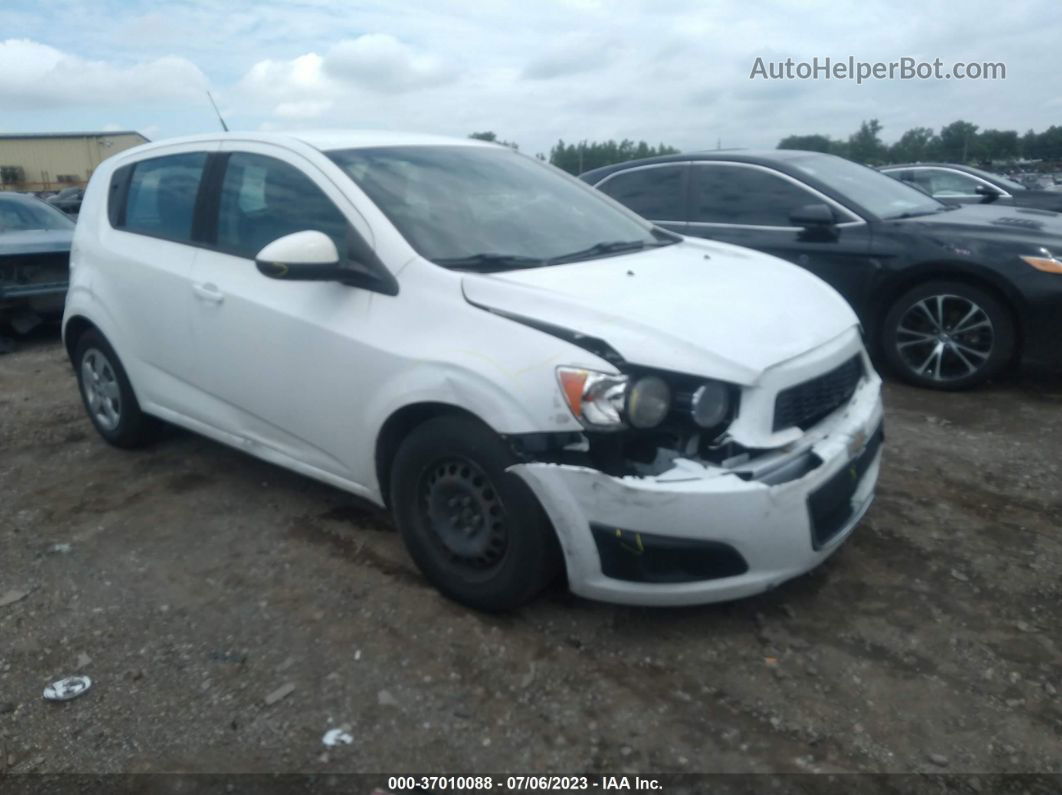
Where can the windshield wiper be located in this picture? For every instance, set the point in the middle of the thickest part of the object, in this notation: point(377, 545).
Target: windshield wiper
point(488, 261)
point(919, 213)
point(605, 248)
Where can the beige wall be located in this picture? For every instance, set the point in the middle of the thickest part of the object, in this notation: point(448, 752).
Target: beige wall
point(45, 159)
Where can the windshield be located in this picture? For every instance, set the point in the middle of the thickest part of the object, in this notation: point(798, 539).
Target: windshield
point(489, 207)
point(21, 215)
point(884, 196)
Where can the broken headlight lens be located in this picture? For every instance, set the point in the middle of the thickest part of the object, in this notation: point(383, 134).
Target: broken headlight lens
point(596, 399)
point(648, 402)
point(710, 404)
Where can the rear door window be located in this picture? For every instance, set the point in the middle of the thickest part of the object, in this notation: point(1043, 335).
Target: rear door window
point(742, 195)
point(161, 197)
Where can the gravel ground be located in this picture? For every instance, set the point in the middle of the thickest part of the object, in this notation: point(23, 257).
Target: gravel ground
point(230, 612)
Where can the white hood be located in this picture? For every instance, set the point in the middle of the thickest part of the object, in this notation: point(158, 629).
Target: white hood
point(706, 309)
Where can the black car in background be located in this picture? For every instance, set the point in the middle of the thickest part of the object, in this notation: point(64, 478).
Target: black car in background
point(34, 262)
point(967, 185)
point(948, 295)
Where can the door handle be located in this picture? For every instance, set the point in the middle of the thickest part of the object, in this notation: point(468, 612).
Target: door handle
point(208, 292)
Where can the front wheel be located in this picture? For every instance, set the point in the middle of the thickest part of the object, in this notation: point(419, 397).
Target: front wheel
point(948, 335)
point(477, 532)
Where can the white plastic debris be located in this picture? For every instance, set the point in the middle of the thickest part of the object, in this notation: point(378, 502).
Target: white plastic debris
point(280, 693)
point(67, 689)
point(334, 737)
point(12, 596)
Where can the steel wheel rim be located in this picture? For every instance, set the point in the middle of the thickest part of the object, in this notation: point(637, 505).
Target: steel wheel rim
point(945, 337)
point(463, 514)
point(99, 384)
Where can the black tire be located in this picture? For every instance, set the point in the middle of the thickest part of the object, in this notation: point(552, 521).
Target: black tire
point(447, 472)
point(948, 335)
point(116, 415)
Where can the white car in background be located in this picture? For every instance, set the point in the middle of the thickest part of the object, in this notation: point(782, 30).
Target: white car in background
point(530, 376)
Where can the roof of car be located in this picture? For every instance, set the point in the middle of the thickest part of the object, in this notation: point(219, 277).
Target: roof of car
point(923, 165)
point(732, 155)
point(29, 198)
point(957, 166)
point(327, 140)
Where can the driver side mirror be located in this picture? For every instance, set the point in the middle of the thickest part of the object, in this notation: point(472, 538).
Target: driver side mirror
point(988, 193)
point(302, 256)
point(813, 216)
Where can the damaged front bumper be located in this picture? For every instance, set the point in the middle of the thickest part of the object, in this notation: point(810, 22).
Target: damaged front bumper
point(701, 533)
point(36, 280)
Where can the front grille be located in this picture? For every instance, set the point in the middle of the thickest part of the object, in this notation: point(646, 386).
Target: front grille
point(805, 404)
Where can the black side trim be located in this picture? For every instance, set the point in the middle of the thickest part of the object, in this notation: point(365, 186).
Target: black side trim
point(647, 557)
point(830, 505)
point(116, 195)
point(208, 200)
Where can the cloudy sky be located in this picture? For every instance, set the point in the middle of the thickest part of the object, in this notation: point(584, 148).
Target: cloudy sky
point(675, 71)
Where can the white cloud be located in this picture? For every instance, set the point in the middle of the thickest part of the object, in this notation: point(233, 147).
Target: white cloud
point(573, 55)
point(380, 62)
point(675, 71)
point(300, 77)
point(35, 75)
point(311, 85)
point(309, 109)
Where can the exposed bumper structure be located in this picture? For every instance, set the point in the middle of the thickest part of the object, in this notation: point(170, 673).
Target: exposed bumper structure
point(779, 526)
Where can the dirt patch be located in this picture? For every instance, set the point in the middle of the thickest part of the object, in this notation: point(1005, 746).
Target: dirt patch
point(197, 581)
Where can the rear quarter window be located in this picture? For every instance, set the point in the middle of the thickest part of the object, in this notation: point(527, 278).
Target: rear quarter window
point(159, 196)
point(655, 193)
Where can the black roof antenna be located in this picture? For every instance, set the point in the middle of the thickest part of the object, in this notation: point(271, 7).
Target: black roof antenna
point(224, 126)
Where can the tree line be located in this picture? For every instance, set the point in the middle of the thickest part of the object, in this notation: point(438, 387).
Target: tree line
point(958, 142)
point(586, 155)
point(576, 158)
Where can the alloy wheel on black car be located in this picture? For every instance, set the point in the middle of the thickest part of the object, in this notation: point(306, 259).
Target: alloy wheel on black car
point(948, 335)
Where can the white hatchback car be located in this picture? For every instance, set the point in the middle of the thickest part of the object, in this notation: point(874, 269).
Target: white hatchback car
point(529, 375)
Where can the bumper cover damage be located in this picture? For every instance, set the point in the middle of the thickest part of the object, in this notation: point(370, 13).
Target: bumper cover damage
point(702, 533)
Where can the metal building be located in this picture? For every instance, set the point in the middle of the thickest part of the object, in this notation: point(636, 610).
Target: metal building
point(50, 161)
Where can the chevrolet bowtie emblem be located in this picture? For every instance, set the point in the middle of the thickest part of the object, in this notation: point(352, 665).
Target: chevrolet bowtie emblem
point(857, 443)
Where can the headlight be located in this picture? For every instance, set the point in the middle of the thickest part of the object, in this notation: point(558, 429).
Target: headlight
point(1046, 261)
point(710, 404)
point(596, 399)
point(648, 402)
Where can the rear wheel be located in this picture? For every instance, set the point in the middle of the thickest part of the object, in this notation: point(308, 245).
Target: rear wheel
point(107, 395)
point(477, 532)
point(948, 335)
